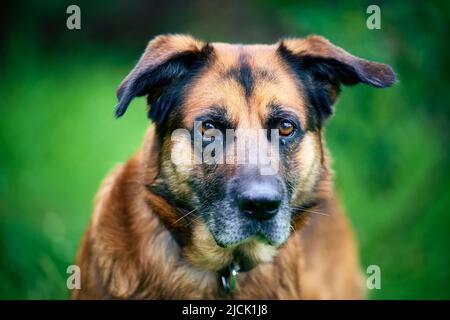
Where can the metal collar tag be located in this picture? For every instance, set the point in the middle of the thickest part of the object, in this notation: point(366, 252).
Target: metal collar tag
point(229, 277)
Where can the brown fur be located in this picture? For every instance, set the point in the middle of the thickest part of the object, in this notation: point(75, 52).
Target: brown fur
point(130, 249)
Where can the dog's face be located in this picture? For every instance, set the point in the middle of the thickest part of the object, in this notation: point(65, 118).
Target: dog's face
point(211, 101)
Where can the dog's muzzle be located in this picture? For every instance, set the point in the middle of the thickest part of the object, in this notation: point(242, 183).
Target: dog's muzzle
point(259, 198)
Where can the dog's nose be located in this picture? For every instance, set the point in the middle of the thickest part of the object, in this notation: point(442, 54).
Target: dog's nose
point(260, 200)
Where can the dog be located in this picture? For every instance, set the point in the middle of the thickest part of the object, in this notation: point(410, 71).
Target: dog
point(165, 229)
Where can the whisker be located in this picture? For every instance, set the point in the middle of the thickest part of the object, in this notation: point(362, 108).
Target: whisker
point(311, 211)
point(292, 228)
point(184, 216)
point(194, 220)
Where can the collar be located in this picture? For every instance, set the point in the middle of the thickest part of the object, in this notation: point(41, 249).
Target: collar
point(228, 276)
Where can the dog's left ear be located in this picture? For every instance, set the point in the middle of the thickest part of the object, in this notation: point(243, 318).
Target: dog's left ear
point(168, 61)
point(322, 67)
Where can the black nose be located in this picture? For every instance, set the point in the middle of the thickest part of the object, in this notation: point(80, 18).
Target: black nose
point(260, 200)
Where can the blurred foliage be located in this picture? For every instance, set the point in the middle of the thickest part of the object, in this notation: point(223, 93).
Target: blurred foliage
point(58, 138)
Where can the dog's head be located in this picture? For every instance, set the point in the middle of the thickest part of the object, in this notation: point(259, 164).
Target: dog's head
point(206, 98)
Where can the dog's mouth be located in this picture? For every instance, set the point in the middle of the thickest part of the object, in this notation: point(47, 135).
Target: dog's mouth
point(227, 238)
point(233, 231)
point(249, 222)
point(264, 234)
point(247, 205)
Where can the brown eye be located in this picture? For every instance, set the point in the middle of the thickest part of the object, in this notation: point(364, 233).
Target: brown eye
point(206, 133)
point(286, 128)
point(207, 126)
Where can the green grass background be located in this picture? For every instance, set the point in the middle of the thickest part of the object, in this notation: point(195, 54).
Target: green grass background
point(58, 138)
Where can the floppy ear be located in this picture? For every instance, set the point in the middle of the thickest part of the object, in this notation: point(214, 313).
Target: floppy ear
point(161, 73)
point(322, 67)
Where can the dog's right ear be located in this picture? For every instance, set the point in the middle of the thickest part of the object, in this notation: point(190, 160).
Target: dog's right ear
point(168, 61)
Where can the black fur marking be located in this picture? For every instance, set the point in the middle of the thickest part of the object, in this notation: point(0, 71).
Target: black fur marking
point(246, 79)
point(244, 76)
point(247, 76)
point(163, 83)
